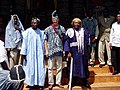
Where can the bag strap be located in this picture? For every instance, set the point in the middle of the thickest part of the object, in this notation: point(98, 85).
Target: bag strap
point(56, 31)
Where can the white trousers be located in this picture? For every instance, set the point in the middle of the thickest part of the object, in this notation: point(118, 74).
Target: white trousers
point(55, 61)
point(14, 57)
point(101, 51)
point(92, 54)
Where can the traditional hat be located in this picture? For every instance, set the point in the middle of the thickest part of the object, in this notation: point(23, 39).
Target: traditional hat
point(35, 18)
point(55, 14)
point(76, 19)
point(118, 12)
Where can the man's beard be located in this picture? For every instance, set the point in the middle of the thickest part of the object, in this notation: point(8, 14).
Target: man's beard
point(118, 22)
point(34, 28)
point(77, 27)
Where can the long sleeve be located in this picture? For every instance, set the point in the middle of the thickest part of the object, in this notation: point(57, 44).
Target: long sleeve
point(66, 38)
point(115, 35)
point(24, 44)
point(97, 30)
point(3, 53)
point(111, 34)
point(66, 46)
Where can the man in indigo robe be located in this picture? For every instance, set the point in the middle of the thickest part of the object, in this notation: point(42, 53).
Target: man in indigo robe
point(78, 45)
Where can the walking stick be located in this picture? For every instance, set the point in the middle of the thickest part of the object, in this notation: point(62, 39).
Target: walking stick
point(71, 70)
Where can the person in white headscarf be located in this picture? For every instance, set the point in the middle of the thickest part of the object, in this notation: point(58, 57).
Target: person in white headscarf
point(13, 39)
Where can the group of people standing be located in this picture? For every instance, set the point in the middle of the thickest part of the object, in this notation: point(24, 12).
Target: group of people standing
point(28, 48)
point(105, 30)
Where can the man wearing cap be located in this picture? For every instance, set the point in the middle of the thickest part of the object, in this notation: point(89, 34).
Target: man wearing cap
point(32, 55)
point(115, 45)
point(78, 45)
point(54, 42)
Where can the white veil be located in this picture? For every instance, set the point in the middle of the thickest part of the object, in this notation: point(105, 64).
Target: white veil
point(9, 35)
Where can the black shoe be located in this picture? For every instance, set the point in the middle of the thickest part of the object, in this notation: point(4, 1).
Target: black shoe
point(101, 65)
point(110, 66)
point(92, 65)
point(87, 85)
point(114, 73)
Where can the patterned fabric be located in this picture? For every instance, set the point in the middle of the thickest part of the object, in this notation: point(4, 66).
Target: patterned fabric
point(55, 45)
point(7, 84)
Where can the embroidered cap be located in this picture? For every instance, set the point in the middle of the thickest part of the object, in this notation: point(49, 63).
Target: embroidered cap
point(35, 18)
point(118, 13)
point(55, 14)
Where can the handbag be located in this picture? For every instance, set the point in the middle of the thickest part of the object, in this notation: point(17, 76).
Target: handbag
point(17, 73)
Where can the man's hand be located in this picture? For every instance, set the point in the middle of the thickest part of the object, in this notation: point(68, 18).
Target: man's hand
point(93, 41)
point(69, 55)
point(22, 57)
point(46, 53)
point(8, 49)
point(110, 45)
point(4, 65)
point(17, 28)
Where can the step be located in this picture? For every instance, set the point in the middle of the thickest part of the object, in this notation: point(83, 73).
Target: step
point(104, 77)
point(96, 68)
point(95, 86)
point(99, 77)
point(104, 69)
point(101, 86)
point(93, 78)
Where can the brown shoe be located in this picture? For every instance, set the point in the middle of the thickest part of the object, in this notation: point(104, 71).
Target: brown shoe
point(60, 86)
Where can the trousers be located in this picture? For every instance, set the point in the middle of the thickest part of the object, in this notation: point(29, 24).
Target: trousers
point(55, 61)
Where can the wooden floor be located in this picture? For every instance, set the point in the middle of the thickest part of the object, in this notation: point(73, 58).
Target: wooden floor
point(100, 79)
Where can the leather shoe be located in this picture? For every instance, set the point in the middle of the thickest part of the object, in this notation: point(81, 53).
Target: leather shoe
point(115, 73)
point(110, 66)
point(92, 65)
point(60, 86)
point(87, 85)
point(101, 65)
